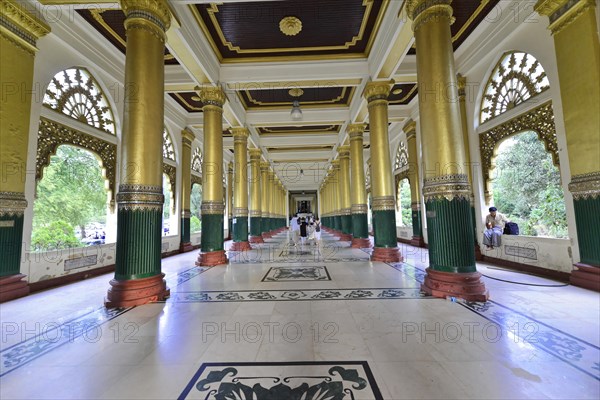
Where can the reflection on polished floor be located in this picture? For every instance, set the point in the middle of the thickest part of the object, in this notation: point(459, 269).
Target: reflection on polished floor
point(285, 322)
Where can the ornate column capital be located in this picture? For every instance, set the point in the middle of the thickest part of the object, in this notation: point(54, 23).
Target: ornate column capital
point(211, 95)
point(264, 166)
point(378, 90)
point(410, 128)
point(240, 134)
point(255, 154)
point(20, 27)
point(155, 11)
point(562, 13)
point(335, 164)
point(356, 131)
point(344, 151)
point(187, 137)
point(422, 11)
point(140, 197)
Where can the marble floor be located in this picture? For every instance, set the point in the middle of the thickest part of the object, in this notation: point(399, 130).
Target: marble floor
point(285, 322)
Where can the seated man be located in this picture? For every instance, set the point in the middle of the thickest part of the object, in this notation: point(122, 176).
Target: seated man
point(494, 223)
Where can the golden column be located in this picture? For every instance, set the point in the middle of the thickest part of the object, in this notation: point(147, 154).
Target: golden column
point(187, 138)
point(382, 182)
point(229, 201)
point(264, 220)
point(410, 129)
point(336, 197)
point(19, 32)
point(270, 201)
point(360, 226)
point(345, 204)
point(575, 30)
point(240, 201)
point(446, 186)
point(138, 277)
point(255, 197)
point(212, 209)
point(462, 98)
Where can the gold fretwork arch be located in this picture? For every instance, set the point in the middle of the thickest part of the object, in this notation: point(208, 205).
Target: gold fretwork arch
point(539, 120)
point(196, 179)
point(51, 135)
point(171, 172)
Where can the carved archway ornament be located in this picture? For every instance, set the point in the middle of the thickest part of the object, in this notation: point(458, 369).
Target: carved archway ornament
point(51, 135)
point(539, 120)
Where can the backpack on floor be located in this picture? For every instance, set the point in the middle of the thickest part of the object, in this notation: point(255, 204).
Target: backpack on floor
point(511, 228)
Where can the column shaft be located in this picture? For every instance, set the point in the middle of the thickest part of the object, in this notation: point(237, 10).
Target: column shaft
point(255, 197)
point(229, 201)
point(575, 31)
point(360, 225)
point(345, 214)
point(19, 31)
point(382, 182)
point(187, 138)
point(212, 251)
point(264, 171)
point(447, 191)
point(240, 200)
point(415, 190)
point(138, 278)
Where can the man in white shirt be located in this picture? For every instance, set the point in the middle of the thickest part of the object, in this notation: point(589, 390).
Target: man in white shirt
point(494, 222)
point(295, 228)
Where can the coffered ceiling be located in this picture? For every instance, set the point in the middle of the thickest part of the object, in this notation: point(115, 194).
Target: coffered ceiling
point(259, 51)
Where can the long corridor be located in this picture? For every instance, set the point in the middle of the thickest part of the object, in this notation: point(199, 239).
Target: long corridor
point(304, 322)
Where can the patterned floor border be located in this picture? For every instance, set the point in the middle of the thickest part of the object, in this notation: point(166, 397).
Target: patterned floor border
point(576, 352)
point(54, 335)
point(211, 296)
point(327, 380)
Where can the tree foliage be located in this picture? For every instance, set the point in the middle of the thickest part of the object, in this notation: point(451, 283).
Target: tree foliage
point(527, 189)
point(71, 192)
point(56, 235)
point(403, 207)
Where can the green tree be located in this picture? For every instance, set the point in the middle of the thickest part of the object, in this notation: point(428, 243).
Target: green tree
point(405, 205)
point(71, 191)
point(195, 225)
point(527, 187)
point(56, 235)
point(196, 201)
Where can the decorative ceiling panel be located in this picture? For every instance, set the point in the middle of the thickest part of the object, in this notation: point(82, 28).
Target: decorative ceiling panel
point(186, 100)
point(299, 130)
point(402, 94)
point(110, 24)
point(311, 97)
point(468, 14)
point(254, 31)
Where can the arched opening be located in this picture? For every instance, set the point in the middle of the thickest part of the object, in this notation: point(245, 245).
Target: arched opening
point(403, 203)
point(195, 208)
point(526, 186)
point(70, 209)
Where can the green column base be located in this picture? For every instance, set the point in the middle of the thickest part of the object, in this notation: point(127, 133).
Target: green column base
point(588, 229)
point(360, 226)
point(185, 230)
point(212, 232)
point(450, 233)
point(255, 225)
point(240, 229)
point(417, 227)
point(384, 226)
point(346, 224)
point(11, 242)
point(139, 242)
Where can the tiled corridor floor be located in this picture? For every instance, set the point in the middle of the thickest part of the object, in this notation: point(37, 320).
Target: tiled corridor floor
point(282, 322)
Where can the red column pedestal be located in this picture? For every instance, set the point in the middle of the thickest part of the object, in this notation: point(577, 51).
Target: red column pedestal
point(136, 292)
point(417, 241)
point(186, 247)
point(13, 287)
point(346, 237)
point(586, 276)
point(386, 254)
point(240, 246)
point(467, 286)
point(361, 243)
point(256, 239)
point(212, 258)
